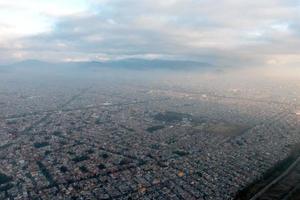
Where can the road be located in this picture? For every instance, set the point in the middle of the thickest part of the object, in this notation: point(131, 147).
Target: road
point(267, 189)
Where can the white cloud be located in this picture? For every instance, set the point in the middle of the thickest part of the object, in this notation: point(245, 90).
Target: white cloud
point(20, 18)
point(233, 30)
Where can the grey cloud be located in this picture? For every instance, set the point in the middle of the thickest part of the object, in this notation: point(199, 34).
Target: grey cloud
point(228, 31)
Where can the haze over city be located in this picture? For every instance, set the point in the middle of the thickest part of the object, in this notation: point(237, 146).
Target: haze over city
point(140, 99)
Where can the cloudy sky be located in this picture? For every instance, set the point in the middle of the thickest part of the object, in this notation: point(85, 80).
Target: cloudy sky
point(222, 31)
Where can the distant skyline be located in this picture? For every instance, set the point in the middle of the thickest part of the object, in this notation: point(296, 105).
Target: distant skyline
point(227, 32)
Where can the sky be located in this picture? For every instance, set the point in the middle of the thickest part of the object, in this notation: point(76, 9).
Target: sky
point(227, 32)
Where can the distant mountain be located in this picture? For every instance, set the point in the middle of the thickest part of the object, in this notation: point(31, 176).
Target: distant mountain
point(27, 64)
point(31, 63)
point(135, 64)
point(141, 64)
